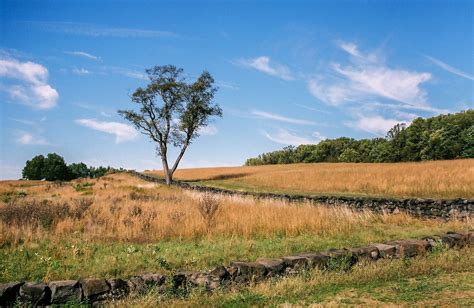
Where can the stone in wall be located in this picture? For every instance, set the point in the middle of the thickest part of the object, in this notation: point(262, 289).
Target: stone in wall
point(35, 294)
point(65, 291)
point(9, 292)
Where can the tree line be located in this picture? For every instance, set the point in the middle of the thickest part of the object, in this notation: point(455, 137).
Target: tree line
point(448, 136)
point(52, 167)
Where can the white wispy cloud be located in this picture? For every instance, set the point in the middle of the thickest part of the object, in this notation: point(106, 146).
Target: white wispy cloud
point(80, 71)
point(126, 72)
point(369, 78)
point(96, 108)
point(23, 121)
point(32, 88)
point(286, 137)
point(376, 124)
point(30, 139)
point(263, 64)
point(280, 118)
point(94, 30)
point(122, 132)
point(449, 68)
point(227, 85)
point(208, 130)
point(312, 108)
point(83, 54)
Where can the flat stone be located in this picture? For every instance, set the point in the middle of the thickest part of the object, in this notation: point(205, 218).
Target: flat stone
point(35, 294)
point(218, 277)
point(220, 272)
point(247, 271)
point(273, 266)
point(9, 293)
point(187, 279)
point(136, 285)
point(94, 289)
point(201, 280)
point(153, 279)
point(319, 260)
point(452, 239)
point(118, 287)
point(295, 261)
point(368, 252)
point(470, 237)
point(180, 279)
point(386, 251)
point(410, 248)
point(65, 291)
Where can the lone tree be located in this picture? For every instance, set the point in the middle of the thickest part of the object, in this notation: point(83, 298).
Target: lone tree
point(173, 111)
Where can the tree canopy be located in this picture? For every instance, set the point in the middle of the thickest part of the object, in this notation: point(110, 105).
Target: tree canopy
point(171, 111)
point(442, 137)
point(54, 168)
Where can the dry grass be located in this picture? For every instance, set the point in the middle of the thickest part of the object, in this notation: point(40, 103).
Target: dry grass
point(432, 179)
point(127, 209)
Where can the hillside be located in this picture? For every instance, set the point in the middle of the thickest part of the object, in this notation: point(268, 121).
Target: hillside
point(431, 179)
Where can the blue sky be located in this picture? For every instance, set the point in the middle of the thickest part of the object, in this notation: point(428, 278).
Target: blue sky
point(289, 72)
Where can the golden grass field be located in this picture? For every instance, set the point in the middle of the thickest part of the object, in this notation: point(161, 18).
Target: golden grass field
point(119, 226)
point(430, 179)
point(125, 208)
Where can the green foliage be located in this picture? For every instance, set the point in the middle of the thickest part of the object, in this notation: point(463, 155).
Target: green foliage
point(53, 168)
point(33, 169)
point(79, 170)
point(10, 196)
point(442, 137)
point(172, 111)
point(83, 186)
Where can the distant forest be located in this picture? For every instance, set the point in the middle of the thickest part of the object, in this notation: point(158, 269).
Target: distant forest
point(442, 137)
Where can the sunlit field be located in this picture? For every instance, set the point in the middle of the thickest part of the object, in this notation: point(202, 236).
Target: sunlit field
point(431, 179)
point(120, 225)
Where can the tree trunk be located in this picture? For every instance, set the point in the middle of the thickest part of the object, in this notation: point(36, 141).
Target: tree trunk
point(167, 171)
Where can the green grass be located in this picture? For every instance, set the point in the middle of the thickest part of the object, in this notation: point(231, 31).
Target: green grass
point(75, 257)
point(441, 278)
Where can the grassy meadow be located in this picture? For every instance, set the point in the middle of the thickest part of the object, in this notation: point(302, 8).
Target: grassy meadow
point(428, 179)
point(119, 226)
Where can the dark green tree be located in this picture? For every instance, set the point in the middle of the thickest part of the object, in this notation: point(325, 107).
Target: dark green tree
point(172, 111)
point(55, 169)
point(34, 168)
point(442, 137)
point(78, 170)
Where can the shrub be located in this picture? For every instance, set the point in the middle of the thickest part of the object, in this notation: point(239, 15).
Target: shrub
point(44, 214)
point(208, 207)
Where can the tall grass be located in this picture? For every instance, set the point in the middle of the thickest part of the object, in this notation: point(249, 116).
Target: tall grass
point(430, 179)
point(121, 207)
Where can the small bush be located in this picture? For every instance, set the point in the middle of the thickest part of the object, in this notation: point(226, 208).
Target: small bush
point(12, 196)
point(208, 207)
point(44, 214)
point(82, 187)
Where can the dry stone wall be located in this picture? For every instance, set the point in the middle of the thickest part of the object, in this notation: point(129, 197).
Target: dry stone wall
point(97, 291)
point(428, 208)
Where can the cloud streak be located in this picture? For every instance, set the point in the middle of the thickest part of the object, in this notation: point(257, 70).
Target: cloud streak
point(280, 118)
point(285, 137)
point(122, 132)
point(263, 65)
point(83, 54)
point(31, 87)
point(449, 68)
point(87, 29)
